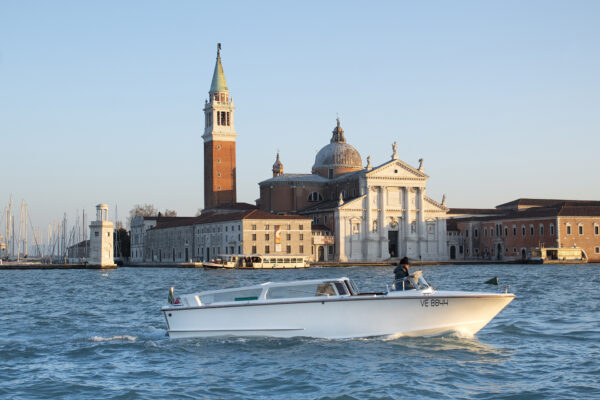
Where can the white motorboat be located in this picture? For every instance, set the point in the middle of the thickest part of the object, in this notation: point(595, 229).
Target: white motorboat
point(331, 308)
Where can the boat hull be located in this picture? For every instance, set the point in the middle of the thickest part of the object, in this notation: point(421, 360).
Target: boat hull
point(355, 316)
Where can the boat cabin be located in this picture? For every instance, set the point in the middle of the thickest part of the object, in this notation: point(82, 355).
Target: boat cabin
point(299, 290)
point(274, 291)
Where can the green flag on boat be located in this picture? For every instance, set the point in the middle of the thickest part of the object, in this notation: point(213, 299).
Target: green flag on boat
point(493, 281)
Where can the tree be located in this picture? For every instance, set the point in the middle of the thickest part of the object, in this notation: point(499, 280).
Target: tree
point(122, 243)
point(170, 213)
point(146, 210)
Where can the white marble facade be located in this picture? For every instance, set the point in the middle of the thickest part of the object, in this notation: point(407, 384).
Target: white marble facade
point(391, 218)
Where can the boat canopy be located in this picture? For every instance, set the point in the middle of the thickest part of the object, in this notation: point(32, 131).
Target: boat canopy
point(277, 291)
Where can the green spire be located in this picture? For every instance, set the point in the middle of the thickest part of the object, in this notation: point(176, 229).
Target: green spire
point(218, 80)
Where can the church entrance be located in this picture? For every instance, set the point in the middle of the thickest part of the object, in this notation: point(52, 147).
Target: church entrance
point(393, 243)
point(499, 251)
point(321, 252)
point(452, 252)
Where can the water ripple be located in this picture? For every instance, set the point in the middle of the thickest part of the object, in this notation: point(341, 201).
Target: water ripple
point(93, 334)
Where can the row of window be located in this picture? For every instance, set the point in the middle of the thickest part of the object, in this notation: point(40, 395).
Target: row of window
point(288, 236)
point(580, 229)
point(316, 196)
point(288, 227)
point(500, 228)
point(218, 229)
point(288, 249)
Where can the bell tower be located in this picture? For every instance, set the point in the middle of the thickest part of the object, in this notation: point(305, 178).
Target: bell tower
point(219, 142)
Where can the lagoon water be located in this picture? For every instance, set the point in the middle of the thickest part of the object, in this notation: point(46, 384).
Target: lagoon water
point(83, 334)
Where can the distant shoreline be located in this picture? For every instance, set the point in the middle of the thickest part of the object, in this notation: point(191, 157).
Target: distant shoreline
point(39, 266)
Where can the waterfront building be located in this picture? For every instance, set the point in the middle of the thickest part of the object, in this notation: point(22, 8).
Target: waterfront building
point(139, 225)
point(512, 230)
point(374, 213)
point(219, 142)
point(79, 252)
point(101, 239)
point(249, 231)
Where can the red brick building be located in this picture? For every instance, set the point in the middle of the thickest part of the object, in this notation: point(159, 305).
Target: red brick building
point(512, 230)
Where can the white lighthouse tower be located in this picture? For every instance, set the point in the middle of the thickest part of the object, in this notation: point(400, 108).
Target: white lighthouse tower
point(101, 240)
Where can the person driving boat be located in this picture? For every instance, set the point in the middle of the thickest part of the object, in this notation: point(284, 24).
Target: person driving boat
point(401, 272)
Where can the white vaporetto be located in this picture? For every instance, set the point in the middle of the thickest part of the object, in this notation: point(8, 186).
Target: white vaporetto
point(332, 308)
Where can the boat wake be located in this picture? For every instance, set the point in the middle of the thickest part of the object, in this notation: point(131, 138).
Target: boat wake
point(120, 338)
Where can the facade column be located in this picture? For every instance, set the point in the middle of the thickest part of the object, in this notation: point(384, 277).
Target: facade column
point(384, 252)
point(421, 231)
point(368, 224)
point(341, 236)
point(407, 233)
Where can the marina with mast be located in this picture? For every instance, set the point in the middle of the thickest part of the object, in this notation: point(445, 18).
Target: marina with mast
point(22, 243)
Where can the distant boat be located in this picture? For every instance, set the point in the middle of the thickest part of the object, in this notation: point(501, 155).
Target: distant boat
point(255, 261)
point(331, 308)
point(558, 255)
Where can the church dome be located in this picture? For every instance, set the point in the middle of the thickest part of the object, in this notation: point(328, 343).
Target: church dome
point(338, 156)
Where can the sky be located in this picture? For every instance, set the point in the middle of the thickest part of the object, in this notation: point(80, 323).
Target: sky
point(102, 101)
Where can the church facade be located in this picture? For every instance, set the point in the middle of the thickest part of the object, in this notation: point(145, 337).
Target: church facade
point(375, 213)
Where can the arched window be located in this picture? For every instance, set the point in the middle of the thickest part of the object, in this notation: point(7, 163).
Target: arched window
point(596, 229)
point(580, 227)
point(315, 196)
point(568, 229)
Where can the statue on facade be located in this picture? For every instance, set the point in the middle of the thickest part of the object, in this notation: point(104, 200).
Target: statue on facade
point(369, 166)
point(420, 164)
point(395, 151)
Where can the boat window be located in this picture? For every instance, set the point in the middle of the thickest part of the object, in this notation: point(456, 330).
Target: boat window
point(290, 292)
point(286, 260)
point(352, 286)
point(280, 261)
point(234, 295)
point(341, 288)
point(299, 291)
point(325, 289)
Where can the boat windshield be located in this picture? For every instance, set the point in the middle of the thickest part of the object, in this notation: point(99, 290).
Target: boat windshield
point(413, 281)
point(299, 291)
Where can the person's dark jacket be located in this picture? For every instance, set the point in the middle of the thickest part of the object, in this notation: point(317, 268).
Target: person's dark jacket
point(401, 272)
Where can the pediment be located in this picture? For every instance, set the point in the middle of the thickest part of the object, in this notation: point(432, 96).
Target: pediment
point(396, 169)
point(433, 206)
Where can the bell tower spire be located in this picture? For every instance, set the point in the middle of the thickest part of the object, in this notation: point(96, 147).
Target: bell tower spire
point(219, 141)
